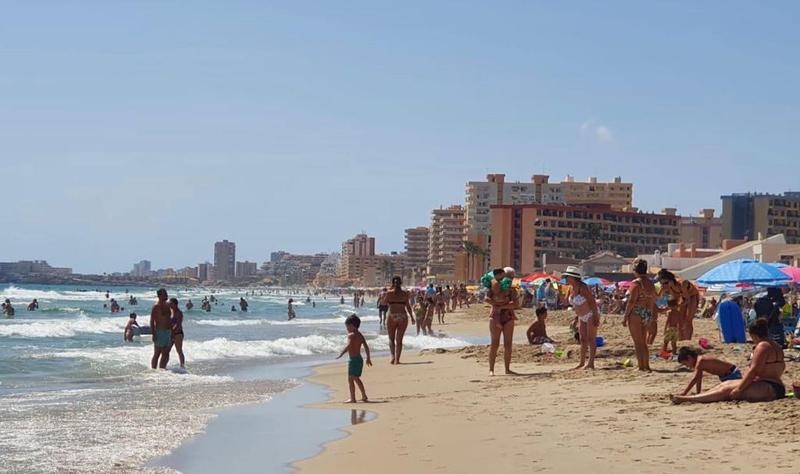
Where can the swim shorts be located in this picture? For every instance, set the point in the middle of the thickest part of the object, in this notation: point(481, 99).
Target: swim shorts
point(733, 374)
point(163, 337)
point(355, 366)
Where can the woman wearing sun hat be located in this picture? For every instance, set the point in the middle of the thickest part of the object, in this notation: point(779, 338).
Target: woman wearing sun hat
point(582, 300)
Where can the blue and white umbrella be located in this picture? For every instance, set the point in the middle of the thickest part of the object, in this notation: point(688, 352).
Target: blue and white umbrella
point(744, 271)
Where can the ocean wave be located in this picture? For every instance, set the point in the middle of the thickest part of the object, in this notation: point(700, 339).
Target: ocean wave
point(296, 321)
point(61, 327)
point(223, 348)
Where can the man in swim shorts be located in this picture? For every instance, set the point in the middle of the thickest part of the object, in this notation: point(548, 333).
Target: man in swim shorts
point(161, 328)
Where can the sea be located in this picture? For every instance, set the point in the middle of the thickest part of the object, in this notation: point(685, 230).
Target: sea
point(74, 397)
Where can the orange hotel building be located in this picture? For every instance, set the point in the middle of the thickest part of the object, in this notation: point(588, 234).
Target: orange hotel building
point(523, 235)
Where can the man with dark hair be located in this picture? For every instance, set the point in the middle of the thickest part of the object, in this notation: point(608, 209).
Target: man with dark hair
point(161, 328)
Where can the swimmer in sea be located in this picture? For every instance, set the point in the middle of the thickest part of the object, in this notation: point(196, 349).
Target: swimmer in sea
point(161, 327)
point(128, 335)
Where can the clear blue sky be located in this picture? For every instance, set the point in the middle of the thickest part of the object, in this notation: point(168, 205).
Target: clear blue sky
point(137, 130)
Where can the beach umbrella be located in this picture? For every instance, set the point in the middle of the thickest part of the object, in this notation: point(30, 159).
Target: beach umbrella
point(792, 272)
point(596, 281)
point(778, 265)
point(743, 271)
point(534, 276)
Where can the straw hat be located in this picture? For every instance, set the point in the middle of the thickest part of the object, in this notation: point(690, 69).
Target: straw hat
point(572, 271)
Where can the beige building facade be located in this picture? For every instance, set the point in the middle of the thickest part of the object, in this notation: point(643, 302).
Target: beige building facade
point(525, 236)
point(446, 240)
point(704, 231)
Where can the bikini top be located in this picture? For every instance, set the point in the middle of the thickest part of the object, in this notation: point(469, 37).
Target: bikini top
point(577, 300)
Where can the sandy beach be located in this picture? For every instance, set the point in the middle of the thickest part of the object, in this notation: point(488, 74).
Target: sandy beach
point(440, 412)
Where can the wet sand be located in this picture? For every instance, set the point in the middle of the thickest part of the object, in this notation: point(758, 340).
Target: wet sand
point(441, 412)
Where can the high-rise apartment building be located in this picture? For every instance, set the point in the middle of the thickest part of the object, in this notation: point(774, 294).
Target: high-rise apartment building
point(141, 269)
point(747, 215)
point(525, 236)
point(417, 241)
point(446, 240)
point(246, 269)
point(352, 258)
point(482, 195)
point(224, 261)
point(616, 194)
point(203, 270)
point(703, 231)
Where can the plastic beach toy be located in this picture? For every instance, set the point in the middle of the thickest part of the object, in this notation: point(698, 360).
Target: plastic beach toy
point(599, 341)
point(703, 342)
point(627, 363)
point(548, 348)
point(665, 355)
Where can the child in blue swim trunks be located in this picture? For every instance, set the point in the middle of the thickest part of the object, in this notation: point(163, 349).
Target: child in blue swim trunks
point(356, 364)
point(701, 363)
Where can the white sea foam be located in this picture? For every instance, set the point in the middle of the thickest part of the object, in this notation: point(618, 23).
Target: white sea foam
point(61, 327)
point(296, 321)
point(223, 348)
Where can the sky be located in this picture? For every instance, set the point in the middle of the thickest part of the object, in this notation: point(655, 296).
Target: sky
point(149, 130)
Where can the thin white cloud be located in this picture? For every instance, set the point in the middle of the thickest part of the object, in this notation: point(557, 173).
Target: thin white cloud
point(596, 131)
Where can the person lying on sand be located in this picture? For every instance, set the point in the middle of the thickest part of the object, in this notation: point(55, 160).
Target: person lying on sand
point(701, 364)
point(762, 379)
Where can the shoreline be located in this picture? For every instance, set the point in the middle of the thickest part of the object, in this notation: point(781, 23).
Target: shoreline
point(444, 413)
point(255, 419)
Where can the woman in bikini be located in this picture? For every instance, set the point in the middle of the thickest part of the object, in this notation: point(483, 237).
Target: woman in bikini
point(640, 312)
point(397, 322)
point(501, 319)
point(441, 304)
point(762, 379)
point(690, 303)
point(582, 301)
point(675, 299)
point(176, 321)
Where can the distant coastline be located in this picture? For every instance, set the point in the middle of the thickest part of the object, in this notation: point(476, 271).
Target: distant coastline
point(117, 281)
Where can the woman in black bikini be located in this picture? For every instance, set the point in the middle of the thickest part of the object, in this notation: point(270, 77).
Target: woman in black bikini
point(397, 322)
point(177, 329)
point(762, 379)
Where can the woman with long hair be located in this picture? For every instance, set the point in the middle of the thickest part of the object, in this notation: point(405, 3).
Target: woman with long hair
point(397, 321)
point(675, 297)
point(640, 312)
point(583, 302)
point(762, 379)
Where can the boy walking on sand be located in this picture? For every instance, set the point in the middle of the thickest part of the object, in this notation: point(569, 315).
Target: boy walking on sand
point(356, 364)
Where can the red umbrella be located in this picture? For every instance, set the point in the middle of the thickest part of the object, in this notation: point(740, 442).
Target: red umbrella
point(534, 276)
point(793, 272)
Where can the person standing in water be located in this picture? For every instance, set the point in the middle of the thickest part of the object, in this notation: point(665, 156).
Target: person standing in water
point(8, 309)
point(176, 321)
point(383, 308)
point(291, 313)
point(243, 304)
point(161, 327)
point(397, 322)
